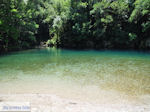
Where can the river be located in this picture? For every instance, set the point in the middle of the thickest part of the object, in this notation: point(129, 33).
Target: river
point(88, 76)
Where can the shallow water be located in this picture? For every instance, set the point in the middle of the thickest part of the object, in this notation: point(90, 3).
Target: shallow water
point(78, 74)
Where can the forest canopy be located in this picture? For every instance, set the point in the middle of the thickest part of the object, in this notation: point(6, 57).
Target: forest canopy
point(78, 24)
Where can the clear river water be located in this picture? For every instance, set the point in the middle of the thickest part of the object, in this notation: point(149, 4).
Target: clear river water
point(86, 75)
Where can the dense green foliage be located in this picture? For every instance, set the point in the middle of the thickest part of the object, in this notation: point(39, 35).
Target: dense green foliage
point(17, 29)
point(119, 24)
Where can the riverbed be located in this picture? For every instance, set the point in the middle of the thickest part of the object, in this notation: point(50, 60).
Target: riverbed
point(77, 81)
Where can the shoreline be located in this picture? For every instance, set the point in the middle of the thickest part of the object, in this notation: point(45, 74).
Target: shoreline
point(54, 103)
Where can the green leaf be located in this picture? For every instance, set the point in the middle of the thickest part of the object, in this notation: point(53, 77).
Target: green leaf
point(36, 26)
point(14, 10)
point(132, 36)
point(1, 22)
point(145, 12)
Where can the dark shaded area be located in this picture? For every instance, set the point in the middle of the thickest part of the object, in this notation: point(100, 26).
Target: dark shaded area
point(42, 33)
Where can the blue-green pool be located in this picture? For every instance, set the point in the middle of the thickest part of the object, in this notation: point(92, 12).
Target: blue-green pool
point(88, 72)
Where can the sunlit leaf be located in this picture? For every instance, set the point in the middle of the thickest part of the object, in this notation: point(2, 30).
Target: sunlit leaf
point(14, 10)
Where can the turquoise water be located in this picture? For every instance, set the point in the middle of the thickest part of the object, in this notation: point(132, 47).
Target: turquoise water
point(76, 72)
